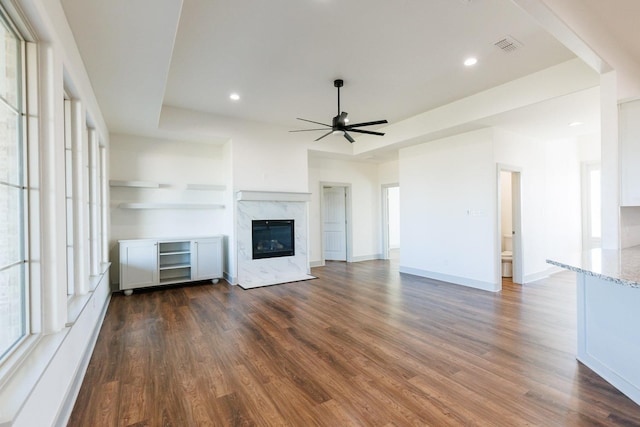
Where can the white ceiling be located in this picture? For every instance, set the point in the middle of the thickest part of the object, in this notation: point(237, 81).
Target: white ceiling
point(397, 58)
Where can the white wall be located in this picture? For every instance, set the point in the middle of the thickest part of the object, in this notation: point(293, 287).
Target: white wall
point(449, 205)
point(551, 215)
point(448, 210)
point(610, 162)
point(263, 157)
point(589, 147)
point(389, 172)
point(176, 164)
point(365, 205)
point(563, 200)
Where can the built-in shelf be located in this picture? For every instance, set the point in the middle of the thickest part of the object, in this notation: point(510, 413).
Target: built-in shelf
point(175, 253)
point(170, 206)
point(136, 184)
point(175, 266)
point(206, 187)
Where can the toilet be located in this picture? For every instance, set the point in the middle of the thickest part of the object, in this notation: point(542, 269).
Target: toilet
point(507, 255)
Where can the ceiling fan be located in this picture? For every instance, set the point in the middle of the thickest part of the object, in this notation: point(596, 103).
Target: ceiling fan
point(340, 122)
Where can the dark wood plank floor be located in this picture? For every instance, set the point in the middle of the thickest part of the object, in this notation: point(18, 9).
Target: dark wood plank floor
point(361, 345)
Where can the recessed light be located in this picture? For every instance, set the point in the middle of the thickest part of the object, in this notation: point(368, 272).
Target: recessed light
point(470, 61)
point(574, 124)
point(234, 97)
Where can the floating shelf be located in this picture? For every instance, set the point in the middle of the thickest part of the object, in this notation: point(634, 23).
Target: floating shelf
point(206, 187)
point(136, 184)
point(170, 206)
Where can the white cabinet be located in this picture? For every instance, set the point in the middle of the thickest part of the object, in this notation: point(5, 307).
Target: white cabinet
point(147, 262)
point(208, 258)
point(629, 121)
point(138, 263)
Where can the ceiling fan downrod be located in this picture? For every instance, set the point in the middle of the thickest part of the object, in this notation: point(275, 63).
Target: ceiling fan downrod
point(338, 83)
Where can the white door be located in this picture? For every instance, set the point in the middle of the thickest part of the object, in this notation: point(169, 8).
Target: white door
point(518, 253)
point(334, 221)
point(138, 264)
point(208, 258)
point(391, 216)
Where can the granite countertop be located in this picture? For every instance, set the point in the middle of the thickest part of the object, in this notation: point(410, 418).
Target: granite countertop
point(622, 267)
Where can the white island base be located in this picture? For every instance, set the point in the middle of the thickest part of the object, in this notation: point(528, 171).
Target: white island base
point(609, 332)
point(608, 298)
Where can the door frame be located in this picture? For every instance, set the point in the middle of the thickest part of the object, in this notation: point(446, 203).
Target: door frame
point(347, 205)
point(516, 219)
point(385, 218)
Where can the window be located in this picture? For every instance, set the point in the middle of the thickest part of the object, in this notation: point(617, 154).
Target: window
point(68, 177)
point(13, 280)
point(94, 204)
point(591, 206)
point(104, 206)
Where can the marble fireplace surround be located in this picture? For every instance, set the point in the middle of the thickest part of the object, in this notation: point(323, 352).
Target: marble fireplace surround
point(270, 205)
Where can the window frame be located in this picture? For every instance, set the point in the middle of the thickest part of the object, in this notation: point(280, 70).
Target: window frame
point(20, 110)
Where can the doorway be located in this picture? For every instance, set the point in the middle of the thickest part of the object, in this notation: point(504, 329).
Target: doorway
point(335, 222)
point(391, 221)
point(510, 225)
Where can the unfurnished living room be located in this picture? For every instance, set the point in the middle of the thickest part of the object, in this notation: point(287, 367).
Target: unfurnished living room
point(319, 212)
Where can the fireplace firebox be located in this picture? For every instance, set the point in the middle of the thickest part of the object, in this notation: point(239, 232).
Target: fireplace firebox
point(272, 238)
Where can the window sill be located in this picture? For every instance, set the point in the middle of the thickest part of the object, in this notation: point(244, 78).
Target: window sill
point(76, 303)
point(31, 363)
point(37, 352)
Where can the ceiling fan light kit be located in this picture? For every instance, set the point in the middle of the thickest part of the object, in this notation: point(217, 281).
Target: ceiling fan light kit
point(339, 122)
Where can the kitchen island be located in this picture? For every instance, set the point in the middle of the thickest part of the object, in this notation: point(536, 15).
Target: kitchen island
point(608, 297)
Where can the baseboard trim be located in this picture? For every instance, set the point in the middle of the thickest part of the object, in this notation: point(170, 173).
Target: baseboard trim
point(366, 258)
point(455, 280)
point(541, 274)
point(72, 395)
point(230, 279)
point(313, 264)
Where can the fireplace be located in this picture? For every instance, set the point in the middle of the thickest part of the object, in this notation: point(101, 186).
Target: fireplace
point(278, 208)
point(272, 238)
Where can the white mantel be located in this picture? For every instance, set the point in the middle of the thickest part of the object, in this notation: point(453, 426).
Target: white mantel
point(272, 196)
point(265, 205)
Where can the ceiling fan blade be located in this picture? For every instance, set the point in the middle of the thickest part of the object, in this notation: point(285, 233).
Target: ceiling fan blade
point(351, 140)
point(326, 134)
point(306, 130)
point(311, 121)
point(369, 132)
point(377, 122)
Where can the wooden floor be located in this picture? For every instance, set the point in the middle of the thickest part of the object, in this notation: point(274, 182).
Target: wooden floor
point(361, 345)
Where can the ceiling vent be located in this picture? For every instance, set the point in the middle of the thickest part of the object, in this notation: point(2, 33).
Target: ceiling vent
point(507, 44)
